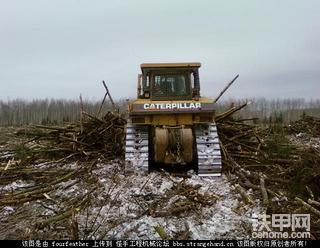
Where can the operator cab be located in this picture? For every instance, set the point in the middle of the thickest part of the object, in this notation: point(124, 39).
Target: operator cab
point(169, 81)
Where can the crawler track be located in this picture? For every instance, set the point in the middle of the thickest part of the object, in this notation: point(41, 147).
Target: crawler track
point(208, 150)
point(137, 146)
point(207, 144)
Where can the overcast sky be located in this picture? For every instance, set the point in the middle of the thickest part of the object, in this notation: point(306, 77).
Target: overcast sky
point(61, 48)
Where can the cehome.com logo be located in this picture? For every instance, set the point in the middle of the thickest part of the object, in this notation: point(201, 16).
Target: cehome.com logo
point(284, 226)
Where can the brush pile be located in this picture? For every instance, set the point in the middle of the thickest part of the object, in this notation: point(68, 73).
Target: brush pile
point(306, 125)
point(91, 137)
point(283, 174)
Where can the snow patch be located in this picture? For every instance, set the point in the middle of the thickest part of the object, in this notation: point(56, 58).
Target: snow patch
point(16, 185)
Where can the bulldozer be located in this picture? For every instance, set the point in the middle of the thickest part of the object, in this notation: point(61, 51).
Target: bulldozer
point(170, 123)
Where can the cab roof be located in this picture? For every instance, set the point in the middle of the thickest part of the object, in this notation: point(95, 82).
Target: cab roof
point(170, 65)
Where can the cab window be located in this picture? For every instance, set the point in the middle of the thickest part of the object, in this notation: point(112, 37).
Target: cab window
point(170, 85)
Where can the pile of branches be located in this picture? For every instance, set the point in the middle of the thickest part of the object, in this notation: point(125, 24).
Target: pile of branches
point(90, 137)
point(285, 176)
point(239, 140)
point(48, 181)
point(180, 200)
point(307, 124)
point(45, 188)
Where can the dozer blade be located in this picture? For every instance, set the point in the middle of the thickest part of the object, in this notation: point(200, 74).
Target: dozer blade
point(208, 149)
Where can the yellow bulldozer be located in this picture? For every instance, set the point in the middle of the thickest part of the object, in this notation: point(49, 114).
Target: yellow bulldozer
point(170, 124)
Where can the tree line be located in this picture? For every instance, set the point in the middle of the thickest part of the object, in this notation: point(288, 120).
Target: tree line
point(274, 110)
point(49, 111)
point(58, 111)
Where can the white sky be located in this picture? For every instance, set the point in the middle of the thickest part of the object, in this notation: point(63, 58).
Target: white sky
point(61, 48)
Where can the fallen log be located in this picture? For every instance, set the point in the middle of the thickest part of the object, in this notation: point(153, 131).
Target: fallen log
point(263, 190)
point(308, 206)
point(247, 199)
point(313, 202)
point(231, 111)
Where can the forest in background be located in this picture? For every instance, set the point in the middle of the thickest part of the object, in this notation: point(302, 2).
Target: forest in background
point(57, 111)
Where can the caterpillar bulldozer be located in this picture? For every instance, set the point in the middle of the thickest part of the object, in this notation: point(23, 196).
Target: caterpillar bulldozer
point(170, 124)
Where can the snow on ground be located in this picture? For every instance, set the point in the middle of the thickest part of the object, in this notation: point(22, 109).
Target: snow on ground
point(227, 218)
point(51, 165)
point(19, 184)
point(119, 203)
point(305, 140)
